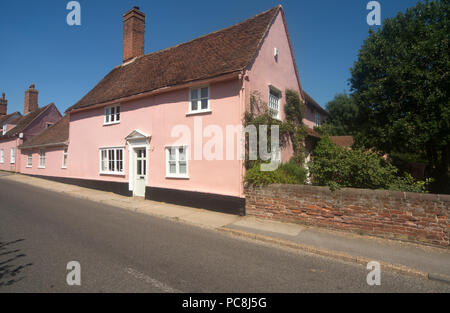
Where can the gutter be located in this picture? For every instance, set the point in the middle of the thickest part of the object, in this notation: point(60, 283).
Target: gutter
point(66, 143)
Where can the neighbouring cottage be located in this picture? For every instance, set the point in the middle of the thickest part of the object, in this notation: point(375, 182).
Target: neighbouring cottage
point(16, 129)
point(124, 135)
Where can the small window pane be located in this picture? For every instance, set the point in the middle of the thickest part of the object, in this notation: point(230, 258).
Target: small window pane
point(194, 105)
point(173, 168)
point(182, 152)
point(204, 92)
point(194, 94)
point(183, 168)
point(172, 155)
point(118, 113)
point(204, 104)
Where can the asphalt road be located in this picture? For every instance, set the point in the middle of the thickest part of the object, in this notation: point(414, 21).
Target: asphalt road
point(122, 251)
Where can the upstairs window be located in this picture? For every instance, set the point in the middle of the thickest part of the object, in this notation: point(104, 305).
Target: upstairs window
point(112, 115)
point(176, 166)
point(42, 159)
point(317, 120)
point(274, 103)
point(29, 159)
point(199, 99)
point(4, 130)
point(111, 161)
point(13, 155)
point(2, 156)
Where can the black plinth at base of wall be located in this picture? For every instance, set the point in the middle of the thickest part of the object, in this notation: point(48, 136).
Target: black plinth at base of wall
point(207, 201)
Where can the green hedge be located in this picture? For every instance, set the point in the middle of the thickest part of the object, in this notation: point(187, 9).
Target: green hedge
point(339, 167)
point(289, 173)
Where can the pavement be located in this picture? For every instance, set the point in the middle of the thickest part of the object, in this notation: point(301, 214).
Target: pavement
point(406, 258)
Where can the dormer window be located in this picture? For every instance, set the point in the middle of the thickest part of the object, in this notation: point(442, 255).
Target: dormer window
point(112, 115)
point(4, 130)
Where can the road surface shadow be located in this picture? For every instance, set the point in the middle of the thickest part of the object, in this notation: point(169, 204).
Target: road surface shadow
point(11, 263)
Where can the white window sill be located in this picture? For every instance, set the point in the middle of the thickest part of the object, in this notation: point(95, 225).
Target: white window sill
point(64, 168)
point(13, 163)
point(42, 167)
point(177, 177)
point(110, 124)
point(199, 112)
point(29, 166)
point(112, 174)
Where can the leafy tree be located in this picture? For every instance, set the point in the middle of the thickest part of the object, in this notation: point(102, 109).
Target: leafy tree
point(400, 85)
point(343, 117)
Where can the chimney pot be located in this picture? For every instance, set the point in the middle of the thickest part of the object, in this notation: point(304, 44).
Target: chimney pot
point(31, 100)
point(133, 34)
point(3, 105)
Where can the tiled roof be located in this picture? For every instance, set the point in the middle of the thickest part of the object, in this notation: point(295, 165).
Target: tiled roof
point(343, 141)
point(226, 51)
point(56, 134)
point(24, 121)
point(311, 102)
point(311, 132)
point(6, 119)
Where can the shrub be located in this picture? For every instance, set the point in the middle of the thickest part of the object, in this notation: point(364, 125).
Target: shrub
point(289, 173)
point(338, 167)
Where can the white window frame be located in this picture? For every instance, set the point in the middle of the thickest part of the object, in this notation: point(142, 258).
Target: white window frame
point(64, 158)
point(271, 106)
point(4, 130)
point(317, 119)
point(115, 161)
point(112, 118)
point(177, 162)
point(2, 156)
point(42, 158)
point(29, 159)
point(13, 156)
point(199, 100)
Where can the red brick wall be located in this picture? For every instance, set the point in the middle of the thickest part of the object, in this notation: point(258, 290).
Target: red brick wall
point(421, 218)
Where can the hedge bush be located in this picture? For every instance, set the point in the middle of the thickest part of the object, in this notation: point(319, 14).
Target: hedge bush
point(339, 167)
point(288, 173)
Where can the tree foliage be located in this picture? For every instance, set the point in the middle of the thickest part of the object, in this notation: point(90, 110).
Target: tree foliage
point(400, 85)
point(343, 116)
point(338, 167)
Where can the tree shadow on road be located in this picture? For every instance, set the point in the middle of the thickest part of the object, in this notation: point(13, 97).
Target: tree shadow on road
point(11, 263)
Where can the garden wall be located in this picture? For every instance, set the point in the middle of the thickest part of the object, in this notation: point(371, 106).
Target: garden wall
point(420, 218)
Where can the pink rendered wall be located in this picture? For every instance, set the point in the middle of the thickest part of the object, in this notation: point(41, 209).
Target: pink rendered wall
point(310, 117)
point(6, 146)
point(53, 162)
point(266, 70)
point(156, 116)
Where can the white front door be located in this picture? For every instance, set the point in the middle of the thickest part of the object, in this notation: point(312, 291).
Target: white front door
point(140, 175)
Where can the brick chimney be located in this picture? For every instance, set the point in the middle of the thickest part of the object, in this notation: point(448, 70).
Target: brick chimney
point(133, 34)
point(31, 100)
point(3, 105)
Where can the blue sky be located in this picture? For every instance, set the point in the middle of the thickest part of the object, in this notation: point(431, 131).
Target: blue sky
point(65, 62)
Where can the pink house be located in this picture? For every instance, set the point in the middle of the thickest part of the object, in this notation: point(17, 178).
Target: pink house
point(16, 129)
point(137, 131)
